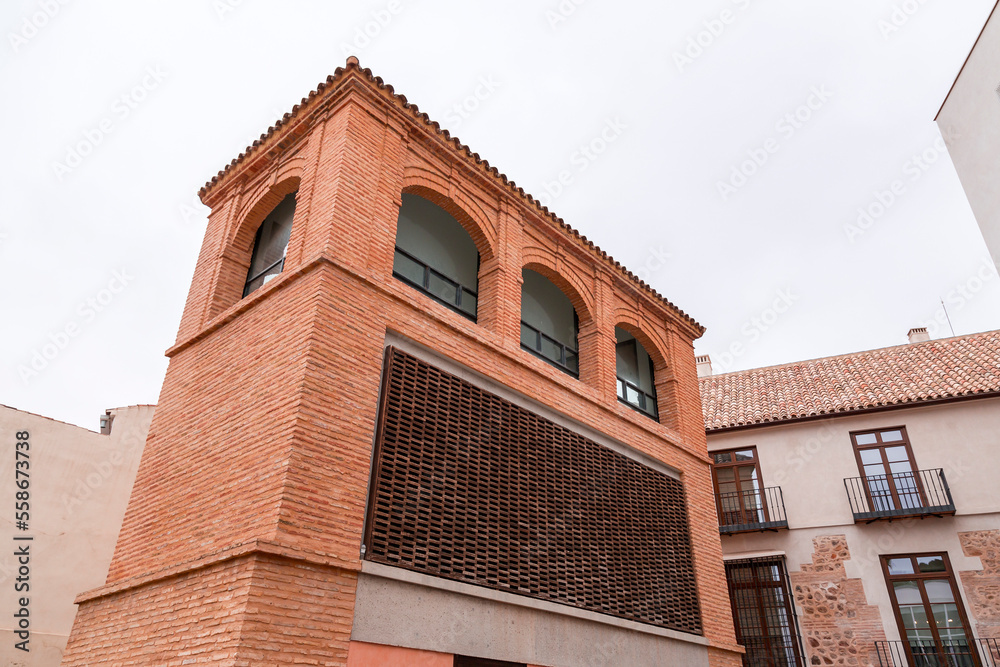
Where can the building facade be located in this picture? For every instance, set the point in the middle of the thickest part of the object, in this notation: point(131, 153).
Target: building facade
point(969, 120)
point(859, 506)
point(412, 418)
point(77, 485)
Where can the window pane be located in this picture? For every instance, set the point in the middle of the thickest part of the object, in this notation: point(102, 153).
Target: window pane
point(744, 455)
point(469, 302)
point(722, 458)
point(900, 566)
point(902, 469)
point(871, 456)
point(529, 338)
point(407, 268)
point(907, 592)
point(875, 471)
point(865, 439)
point(931, 564)
point(551, 350)
point(572, 361)
point(896, 454)
point(891, 436)
point(939, 590)
point(443, 288)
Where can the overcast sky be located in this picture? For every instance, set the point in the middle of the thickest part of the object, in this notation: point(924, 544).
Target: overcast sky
point(732, 145)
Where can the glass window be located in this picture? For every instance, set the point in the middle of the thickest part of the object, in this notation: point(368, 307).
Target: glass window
point(548, 322)
point(634, 370)
point(270, 245)
point(739, 490)
point(763, 612)
point(436, 255)
point(891, 482)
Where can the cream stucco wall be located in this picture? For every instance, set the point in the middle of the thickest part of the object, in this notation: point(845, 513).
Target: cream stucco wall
point(79, 487)
point(970, 123)
point(809, 461)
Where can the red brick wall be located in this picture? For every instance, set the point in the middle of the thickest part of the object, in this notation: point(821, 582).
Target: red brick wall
point(264, 428)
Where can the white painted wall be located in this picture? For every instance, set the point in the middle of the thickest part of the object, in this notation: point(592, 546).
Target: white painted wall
point(970, 124)
point(809, 461)
point(80, 483)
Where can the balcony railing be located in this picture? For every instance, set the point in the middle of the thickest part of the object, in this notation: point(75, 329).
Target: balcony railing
point(946, 653)
point(631, 395)
point(776, 651)
point(548, 348)
point(434, 284)
point(755, 509)
point(902, 494)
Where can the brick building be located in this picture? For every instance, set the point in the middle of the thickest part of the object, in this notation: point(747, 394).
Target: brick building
point(858, 502)
point(412, 417)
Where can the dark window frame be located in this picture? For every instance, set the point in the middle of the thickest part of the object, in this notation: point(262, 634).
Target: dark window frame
point(755, 588)
point(563, 347)
point(280, 264)
point(920, 577)
point(652, 409)
point(890, 478)
point(745, 514)
point(425, 287)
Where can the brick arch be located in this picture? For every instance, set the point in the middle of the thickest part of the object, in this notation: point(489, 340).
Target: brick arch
point(259, 205)
point(543, 262)
point(472, 218)
point(628, 321)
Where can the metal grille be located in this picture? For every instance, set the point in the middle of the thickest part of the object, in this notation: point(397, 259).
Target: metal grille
point(763, 613)
point(470, 487)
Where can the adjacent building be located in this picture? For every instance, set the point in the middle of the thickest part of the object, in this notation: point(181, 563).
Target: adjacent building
point(76, 484)
point(859, 504)
point(969, 120)
point(412, 418)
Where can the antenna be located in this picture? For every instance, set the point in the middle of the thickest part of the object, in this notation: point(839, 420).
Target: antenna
point(948, 318)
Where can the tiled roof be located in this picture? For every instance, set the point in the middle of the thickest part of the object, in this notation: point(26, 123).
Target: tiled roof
point(934, 370)
point(277, 133)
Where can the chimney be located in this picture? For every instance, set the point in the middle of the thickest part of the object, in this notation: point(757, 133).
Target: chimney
point(918, 335)
point(704, 366)
point(106, 420)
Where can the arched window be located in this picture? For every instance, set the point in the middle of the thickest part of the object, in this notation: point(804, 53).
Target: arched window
point(436, 255)
point(549, 324)
point(270, 245)
point(634, 369)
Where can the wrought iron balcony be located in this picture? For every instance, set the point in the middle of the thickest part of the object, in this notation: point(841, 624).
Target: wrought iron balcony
point(904, 494)
point(746, 511)
point(434, 284)
point(946, 653)
point(775, 651)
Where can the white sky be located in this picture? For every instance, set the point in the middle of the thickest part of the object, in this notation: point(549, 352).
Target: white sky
point(226, 69)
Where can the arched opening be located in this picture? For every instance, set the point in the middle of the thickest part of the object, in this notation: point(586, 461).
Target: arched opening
point(435, 255)
point(634, 370)
point(270, 245)
point(549, 323)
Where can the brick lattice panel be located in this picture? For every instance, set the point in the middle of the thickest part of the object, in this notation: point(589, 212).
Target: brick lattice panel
point(470, 487)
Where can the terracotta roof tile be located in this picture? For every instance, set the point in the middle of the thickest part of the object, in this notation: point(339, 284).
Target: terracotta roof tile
point(268, 138)
point(918, 372)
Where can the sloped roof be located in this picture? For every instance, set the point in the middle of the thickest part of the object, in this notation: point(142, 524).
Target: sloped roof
point(936, 370)
point(280, 131)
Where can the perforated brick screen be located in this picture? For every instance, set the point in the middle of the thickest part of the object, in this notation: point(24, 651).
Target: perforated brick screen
point(470, 487)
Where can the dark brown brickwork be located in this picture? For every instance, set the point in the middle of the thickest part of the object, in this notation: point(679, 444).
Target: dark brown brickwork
point(838, 625)
point(264, 429)
point(471, 487)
